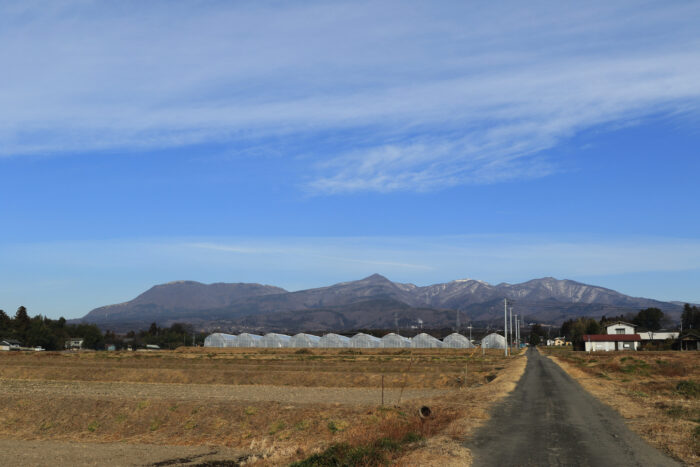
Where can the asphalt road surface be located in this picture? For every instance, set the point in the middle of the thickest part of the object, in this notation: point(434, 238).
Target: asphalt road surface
point(549, 419)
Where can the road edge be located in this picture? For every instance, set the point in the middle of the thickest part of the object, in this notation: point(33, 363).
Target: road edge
point(599, 389)
point(448, 449)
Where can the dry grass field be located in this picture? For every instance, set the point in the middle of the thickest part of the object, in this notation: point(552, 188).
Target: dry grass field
point(658, 393)
point(268, 406)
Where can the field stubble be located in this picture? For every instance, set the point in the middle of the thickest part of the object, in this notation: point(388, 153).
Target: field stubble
point(191, 398)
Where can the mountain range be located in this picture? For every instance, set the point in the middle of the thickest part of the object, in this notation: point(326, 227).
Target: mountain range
point(373, 302)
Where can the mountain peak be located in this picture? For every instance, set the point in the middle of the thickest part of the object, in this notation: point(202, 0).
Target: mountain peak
point(376, 278)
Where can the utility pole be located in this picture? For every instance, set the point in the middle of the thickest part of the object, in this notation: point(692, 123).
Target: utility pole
point(458, 321)
point(511, 326)
point(505, 323)
point(470, 332)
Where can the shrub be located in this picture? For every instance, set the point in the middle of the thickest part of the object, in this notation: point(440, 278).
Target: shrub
point(689, 389)
point(671, 368)
point(345, 455)
point(277, 426)
point(335, 427)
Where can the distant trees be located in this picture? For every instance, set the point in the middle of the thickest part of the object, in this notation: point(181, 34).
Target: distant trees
point(575, 329)
point(690, 319)
point(176, 335)
point(536, 334)
point(21, 323)
point(39, 331)
point(649, 319)
point(4, 322)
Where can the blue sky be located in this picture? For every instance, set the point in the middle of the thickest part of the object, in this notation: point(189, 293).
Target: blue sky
point(301, 144)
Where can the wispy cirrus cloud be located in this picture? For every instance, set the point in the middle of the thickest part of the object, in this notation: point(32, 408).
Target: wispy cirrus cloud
point(407, 96)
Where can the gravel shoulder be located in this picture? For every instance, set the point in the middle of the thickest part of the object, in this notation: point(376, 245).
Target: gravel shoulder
point(218, 392)
point(549, 419)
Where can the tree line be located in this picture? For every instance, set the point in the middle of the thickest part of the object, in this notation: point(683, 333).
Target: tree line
point(51, 334)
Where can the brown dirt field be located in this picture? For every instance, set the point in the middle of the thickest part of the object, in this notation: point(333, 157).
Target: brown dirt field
point(217, 392)
point(17, 453)
point(101, 397)
point(643, 388)
point(431, 368)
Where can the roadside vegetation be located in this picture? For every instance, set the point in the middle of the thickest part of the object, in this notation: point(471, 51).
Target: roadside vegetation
point(657, 392)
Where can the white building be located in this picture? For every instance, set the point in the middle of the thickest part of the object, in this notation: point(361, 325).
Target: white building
point(10, 344)
point(425, 341)
point(219, 339)
point(609, 342)
point(272, 340)
point(658, 335)
point(365, 341)
point(303, 340)
point(620, 327)
point(74, 343)
point(395, 341)
point(457, 341)
point(331, 341)
point(493, 341)
point(248, 340)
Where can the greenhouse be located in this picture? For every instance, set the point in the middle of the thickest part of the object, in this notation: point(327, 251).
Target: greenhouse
point(220, 340)
point(493, 341)
point(365, 341)
point(248, 340)
point(457, 341)
point(395, 341)
point(304, 340)
point(273, 340)
point(425, 341)
point(333, 341)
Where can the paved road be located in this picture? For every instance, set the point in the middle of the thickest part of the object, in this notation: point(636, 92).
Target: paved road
point(549, 419)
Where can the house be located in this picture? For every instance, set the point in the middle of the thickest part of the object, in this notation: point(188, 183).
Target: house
point(608, 342)
point(620, 327)
point(690, 340)
point(10, 344)
point(557, 342)
point(74, 343)
point(647, 337)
